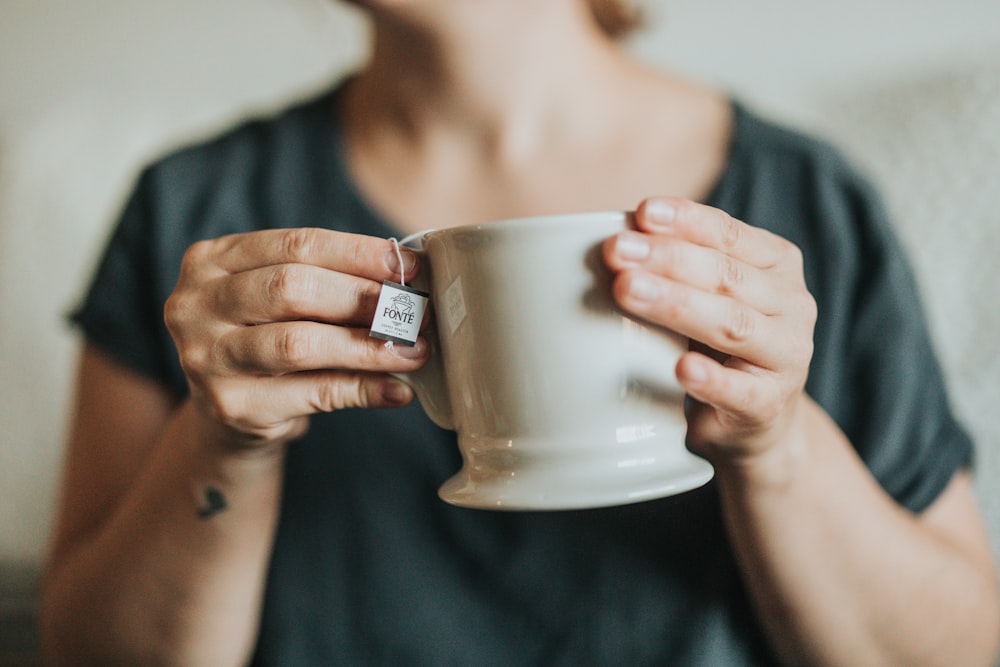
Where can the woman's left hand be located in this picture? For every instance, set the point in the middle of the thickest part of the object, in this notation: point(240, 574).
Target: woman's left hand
point(739, 294)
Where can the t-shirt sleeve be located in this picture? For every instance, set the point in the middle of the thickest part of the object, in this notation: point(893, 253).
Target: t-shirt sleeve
point(121, 312)
point(876, 366)
point(262, 174)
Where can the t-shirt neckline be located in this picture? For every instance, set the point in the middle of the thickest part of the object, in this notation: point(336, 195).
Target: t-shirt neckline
point(337, 168)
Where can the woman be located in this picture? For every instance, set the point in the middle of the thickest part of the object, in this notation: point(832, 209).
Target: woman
point(222, 504)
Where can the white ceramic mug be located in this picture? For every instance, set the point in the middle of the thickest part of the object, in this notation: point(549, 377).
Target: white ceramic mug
point(559, 399)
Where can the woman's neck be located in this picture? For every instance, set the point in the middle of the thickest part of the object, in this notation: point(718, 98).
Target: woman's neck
point(499, 108)
point(500, 75)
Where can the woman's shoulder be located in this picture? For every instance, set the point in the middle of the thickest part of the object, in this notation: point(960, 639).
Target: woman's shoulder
point(775, 166)
point(256, 136)
point(776, 144)
point(268, 170)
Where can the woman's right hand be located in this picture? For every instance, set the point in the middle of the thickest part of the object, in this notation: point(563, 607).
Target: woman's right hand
point(272, 326)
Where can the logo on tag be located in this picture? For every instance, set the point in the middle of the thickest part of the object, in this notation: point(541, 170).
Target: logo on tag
point(399, 313)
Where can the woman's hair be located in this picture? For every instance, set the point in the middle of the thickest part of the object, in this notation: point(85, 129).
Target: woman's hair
point(617, 18)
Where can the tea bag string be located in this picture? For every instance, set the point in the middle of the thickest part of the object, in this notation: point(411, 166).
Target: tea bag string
point(399, 257)
point(399, 254)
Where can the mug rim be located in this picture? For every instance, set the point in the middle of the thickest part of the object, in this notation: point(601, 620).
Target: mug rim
point(553, 219)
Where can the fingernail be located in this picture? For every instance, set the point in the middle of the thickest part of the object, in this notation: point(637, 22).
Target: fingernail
point(660, 212)
point(409, 261)
point(631, 246)
point(396, 392)
point(415, 351)
point(643, 288)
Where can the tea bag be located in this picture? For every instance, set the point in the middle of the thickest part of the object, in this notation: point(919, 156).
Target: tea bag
point(400, 308)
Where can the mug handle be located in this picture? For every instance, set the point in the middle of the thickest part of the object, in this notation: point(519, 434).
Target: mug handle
point(429, 382)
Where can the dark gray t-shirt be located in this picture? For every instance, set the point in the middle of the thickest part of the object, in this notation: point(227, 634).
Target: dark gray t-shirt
point(370, 568)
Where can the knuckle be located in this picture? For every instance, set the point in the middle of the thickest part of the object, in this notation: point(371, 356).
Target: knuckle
point(731, 276)
point(195, 362)
point(366, 295)
point(792, 255)
point(197, 253)
point(177, 310)
point(805, 352)
point(286, 285)
point(297, 244)
point(343, 392)
point(228, 406)
point(805, 315)
point(802, 349)
point(293, 346)
point(731, 232)
point(739, 325)
point(810, 310)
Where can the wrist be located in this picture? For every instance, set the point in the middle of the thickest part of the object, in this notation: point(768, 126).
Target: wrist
point(227, 479)
point(775, 467)
point(225, 452)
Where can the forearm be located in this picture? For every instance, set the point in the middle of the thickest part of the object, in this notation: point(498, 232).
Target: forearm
point(840, 574)
point(167, 578)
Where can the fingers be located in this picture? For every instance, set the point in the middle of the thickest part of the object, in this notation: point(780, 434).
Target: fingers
point(271, 326)
point(354, 254)
point(261, 381)
point(739, 294)
point(261, 412)
point(721, 322)
point(747, 394)
point(736, 411)
point(286, 292)
point(712, 228)
point(327, 392)
point(736, 288)
point(701, 267)
point(288, 347)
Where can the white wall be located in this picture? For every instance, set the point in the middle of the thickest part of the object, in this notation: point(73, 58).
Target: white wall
point(781, 53)
point(93, 88)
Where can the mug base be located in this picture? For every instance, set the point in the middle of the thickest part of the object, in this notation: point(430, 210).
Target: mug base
point(552, 490)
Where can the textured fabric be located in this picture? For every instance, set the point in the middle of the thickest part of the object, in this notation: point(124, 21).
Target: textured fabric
point(369, 567)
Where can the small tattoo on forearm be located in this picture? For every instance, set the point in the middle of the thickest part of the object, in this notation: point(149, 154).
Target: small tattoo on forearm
point(212, 503)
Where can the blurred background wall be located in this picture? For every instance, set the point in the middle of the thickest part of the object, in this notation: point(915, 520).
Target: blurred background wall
point(91, 90)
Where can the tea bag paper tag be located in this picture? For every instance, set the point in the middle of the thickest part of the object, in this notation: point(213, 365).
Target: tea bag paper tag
point(399, 313)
